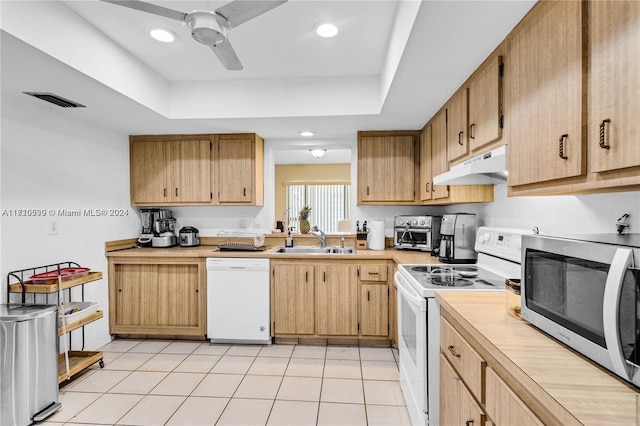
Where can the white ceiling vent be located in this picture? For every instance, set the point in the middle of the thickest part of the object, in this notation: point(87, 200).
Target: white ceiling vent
point(55, 99)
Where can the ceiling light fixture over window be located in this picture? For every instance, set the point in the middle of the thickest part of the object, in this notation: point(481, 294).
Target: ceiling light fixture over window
point(306, 133)
point(318, 152)
point(160, 34)
point(327, 30)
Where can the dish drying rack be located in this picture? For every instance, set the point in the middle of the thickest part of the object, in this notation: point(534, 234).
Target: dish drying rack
point(242, 241)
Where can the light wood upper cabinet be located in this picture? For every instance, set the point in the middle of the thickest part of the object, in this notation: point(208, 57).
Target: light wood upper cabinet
point(240, 171)
point(168, 170)
point(293, 299)
point(544, 94)
point(485, 106)
point(337, 299)
point(386, 167)
point(439, 162)
point(457, 116)
point(614, 85)
point(426, 169)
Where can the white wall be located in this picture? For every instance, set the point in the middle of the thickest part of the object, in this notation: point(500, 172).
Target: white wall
point(52, 160)
point(561, 214)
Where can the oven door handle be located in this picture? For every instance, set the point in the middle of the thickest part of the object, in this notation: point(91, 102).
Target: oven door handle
point(409, 293)
point(622, 260)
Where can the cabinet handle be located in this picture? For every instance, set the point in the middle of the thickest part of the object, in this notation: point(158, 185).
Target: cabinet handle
point(426, 187)
point(460, 138)
point(244, 192)
point(324, 276)
point(119, 290)
point(453, 352)
point(368, 298)
point(432, 188)
point(197, 291)
point(561, 146)
point(468, 422)
point(367, 190)
point(176, 192)
point(165, 192)
point(603, 142)
point(472, 134)
point(373, 273)
point(306, 276)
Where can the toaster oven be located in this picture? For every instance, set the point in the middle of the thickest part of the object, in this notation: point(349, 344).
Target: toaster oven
point(417, 233)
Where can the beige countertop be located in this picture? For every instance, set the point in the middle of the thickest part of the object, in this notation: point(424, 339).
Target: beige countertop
point(544, 372)
point(398, 256)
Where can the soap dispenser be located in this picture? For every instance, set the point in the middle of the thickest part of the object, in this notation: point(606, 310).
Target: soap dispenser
point(289, 241)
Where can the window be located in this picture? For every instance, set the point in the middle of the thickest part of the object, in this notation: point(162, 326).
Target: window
point(329, 204)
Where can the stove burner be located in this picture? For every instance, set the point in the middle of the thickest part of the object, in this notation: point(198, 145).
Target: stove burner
point(448, 281)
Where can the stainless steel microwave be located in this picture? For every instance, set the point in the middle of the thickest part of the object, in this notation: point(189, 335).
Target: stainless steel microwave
point(585, 291)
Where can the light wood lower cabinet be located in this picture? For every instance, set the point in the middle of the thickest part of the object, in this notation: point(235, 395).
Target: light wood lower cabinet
point(467, 384)
point(160, 297)
point(294, 298)
point(457, 406)
point(337, 300)
point(334, 299)
point(504, 407)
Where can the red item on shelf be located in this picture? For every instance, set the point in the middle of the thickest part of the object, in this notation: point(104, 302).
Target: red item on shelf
point(65, 274)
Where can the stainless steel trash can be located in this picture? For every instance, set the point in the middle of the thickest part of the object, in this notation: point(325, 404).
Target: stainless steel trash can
point(28, 363)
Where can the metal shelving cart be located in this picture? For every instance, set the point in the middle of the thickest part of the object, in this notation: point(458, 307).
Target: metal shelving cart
point(52, 284)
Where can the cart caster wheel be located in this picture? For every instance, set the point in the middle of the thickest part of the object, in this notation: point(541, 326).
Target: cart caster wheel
point(101, 363)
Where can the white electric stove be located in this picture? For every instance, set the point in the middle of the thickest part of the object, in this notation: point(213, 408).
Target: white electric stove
point(499, 254)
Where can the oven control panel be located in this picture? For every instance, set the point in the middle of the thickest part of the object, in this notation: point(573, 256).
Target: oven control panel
point(502, 242)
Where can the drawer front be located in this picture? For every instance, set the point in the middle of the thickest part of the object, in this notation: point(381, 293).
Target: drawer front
point(373, 273)
point(467, 362)
point(503, 406)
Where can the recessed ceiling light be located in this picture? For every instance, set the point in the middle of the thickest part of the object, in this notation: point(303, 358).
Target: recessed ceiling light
point(327, 30)
point(306, 133)
point(162, 35)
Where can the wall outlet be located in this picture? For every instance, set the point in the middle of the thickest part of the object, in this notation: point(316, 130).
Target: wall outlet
point(52, 227)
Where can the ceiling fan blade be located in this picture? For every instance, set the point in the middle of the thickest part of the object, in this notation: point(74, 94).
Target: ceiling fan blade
point(149, 8)
point(224, 51)
point(240, 11)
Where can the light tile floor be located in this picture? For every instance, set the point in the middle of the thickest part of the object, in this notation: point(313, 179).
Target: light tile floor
point(152, 382)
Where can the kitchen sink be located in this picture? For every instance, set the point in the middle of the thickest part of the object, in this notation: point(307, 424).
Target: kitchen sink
point(316, 250)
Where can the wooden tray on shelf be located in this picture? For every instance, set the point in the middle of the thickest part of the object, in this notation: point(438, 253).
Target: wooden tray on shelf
point(51, 286)
point(78, 361)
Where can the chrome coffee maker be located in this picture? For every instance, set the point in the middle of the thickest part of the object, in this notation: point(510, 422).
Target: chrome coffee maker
point(158, 228)
point(458, 236)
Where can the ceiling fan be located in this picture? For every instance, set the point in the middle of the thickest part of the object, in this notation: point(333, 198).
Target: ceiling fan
point(211, 28)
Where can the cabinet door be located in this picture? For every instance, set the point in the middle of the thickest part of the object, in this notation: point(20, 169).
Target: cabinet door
point(457, 406)
point(147, 173)
point(484, 105)
point(386, 168)
point(457, 111)
point(136, 287)
point(614, 85)
point(189, 169)
point(504, 407)
point(178, 296)
point(374, 310)
point(337, 300)
point(439, 161)
point(426, 173)
point(237, 168)
point(544, 94)
point(294, 299)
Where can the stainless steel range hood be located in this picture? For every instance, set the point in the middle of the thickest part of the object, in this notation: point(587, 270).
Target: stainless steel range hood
point(486, 169)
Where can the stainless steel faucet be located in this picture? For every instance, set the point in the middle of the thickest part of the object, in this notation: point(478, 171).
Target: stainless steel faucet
point(319, 235)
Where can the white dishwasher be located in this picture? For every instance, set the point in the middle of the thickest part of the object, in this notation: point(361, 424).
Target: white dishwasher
point(238, 300)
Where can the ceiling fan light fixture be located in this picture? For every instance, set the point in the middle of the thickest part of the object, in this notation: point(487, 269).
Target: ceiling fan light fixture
point(163, 35)
point(327, 30)
point(207, 27)
point(306, 134)
point(318, 152)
